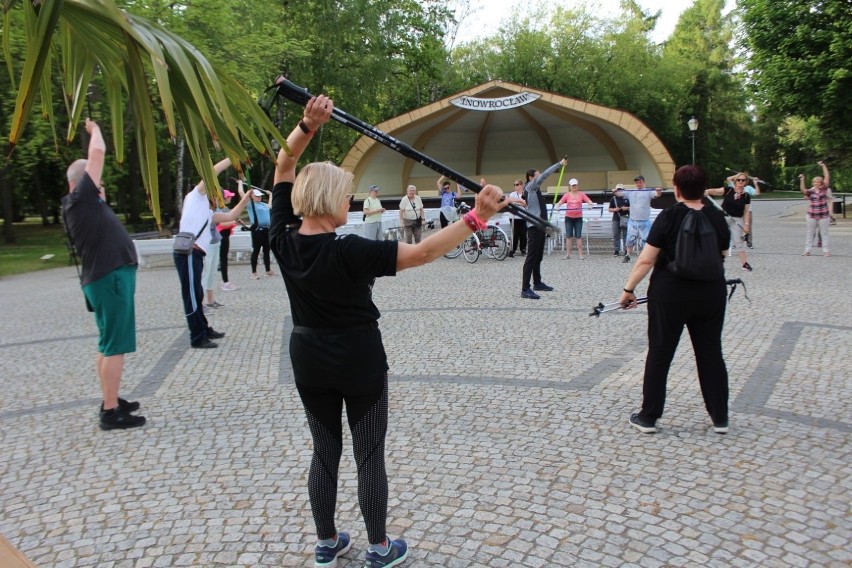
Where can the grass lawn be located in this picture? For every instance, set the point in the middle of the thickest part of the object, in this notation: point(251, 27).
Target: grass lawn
point(32, 241)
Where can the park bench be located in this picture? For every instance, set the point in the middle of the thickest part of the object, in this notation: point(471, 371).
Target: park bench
point(148, 248)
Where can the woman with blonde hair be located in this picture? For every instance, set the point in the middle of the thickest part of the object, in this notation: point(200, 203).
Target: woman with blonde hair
point(736, 203)
point(336, 347)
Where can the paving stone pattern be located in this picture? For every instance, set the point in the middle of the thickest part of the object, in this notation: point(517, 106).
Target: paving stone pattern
point(496, 456)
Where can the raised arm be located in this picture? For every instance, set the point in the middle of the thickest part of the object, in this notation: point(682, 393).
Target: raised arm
point(546, 173)
point(826, 179)
point(97, 152)
point(317, 112)
point(802, 187)
point(218, 168)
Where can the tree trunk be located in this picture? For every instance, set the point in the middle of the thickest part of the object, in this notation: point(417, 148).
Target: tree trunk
point(8, 212)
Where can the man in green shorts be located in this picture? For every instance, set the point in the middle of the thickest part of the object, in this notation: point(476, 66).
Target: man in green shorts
point(108, 276)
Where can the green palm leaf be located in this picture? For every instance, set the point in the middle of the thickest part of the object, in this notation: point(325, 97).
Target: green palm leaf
point(134, 58)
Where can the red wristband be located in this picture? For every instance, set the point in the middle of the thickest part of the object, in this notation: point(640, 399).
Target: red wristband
point(474, 222)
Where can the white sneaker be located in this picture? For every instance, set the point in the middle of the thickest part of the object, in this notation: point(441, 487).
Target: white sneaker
point(228, 287)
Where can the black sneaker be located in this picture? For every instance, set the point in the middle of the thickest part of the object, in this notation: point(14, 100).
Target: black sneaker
point(529, 294)
point(213, 334)
point(641, 424)
point(511, 254)
point(542, 287)
point(626, 258)
point(206, 344)
point(117, 419)
point(720, 427)
point(747, 267)
point(124, 406)
point(616, 253)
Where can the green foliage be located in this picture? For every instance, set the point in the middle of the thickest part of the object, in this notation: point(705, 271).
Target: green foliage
point(801, 60)
point(34, 240)
point(613, 61)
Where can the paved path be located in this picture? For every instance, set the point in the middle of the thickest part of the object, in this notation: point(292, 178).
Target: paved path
point(496, 457)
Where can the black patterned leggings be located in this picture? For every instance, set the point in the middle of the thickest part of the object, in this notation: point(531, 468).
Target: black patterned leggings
point(367, 410)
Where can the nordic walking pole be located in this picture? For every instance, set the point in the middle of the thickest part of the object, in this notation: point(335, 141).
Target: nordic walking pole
point(301, 96)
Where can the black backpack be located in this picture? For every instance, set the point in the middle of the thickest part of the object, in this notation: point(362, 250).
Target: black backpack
point(697, 254)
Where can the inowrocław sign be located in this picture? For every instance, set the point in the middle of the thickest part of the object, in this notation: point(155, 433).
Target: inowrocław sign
point(501, 103)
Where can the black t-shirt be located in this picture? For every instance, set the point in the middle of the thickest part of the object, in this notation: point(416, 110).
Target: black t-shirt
point(98, 235)
point(734, 206)
point(668, 287)
point(329, 280)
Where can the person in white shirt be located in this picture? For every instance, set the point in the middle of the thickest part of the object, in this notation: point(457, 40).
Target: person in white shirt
point(519, 225)
point(196, 218)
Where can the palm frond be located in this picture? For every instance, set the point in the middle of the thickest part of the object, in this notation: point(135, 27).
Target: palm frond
point(134, 58)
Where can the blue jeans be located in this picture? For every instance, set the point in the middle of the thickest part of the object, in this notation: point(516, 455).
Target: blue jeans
point(573, 227)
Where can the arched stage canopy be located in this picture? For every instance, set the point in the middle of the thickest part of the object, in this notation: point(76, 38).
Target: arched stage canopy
point(499, 130)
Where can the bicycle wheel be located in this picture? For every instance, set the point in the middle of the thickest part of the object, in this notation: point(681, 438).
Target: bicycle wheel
point(471, 249)
point(501, 244)
point(454, 253)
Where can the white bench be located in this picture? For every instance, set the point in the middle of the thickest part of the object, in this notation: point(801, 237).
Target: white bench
point(146, 248)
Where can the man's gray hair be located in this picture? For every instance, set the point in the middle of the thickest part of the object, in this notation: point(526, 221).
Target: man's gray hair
point(75, 172)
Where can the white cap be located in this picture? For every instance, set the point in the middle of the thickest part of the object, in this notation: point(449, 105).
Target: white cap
point(573, 181)
point(619, 186)
point(258, 193)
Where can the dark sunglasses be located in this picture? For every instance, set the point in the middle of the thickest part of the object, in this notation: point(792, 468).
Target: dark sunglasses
point(741, 179)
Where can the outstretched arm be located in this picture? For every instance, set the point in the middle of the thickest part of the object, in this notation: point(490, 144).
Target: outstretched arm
point(802, 187)
point(233, 214)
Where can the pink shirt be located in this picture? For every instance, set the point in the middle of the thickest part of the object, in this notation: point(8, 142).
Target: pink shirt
point(574, 204)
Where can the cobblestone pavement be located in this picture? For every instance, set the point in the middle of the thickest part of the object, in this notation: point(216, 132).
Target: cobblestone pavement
point(496, 457)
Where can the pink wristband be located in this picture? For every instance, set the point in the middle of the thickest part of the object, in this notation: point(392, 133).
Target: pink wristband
point(474, 222)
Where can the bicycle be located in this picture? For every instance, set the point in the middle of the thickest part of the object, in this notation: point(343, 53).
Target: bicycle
point(492, 241)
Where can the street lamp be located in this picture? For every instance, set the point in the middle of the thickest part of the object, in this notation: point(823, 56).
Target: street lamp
point(692, 123)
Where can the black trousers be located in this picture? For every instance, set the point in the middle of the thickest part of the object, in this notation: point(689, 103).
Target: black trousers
point(704, 319)
point(535, 254)
point(224, 249)
point(260, 240)
point(519, 235)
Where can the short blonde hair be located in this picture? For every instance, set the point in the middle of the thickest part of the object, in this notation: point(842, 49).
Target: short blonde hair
point(319, 189)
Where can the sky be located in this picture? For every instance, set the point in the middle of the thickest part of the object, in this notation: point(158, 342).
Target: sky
point(489, 14)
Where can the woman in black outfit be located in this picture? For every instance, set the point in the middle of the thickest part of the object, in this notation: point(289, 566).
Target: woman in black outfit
point(675, 302)
point(336, 347)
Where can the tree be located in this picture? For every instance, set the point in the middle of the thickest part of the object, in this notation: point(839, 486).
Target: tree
point(71, 41)
point(801, 61)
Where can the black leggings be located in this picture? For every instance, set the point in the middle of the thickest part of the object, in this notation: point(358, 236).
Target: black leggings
point(224, 249)
point(260, 240)
point(367, 410)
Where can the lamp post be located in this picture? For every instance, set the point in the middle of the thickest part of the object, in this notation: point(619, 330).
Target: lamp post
point(692, 123)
